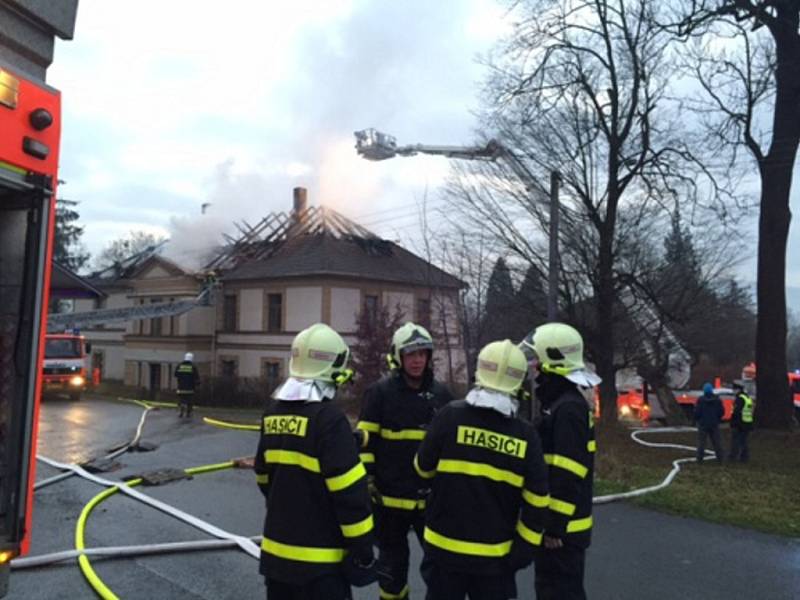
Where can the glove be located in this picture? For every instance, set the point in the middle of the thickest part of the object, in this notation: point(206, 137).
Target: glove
point(360, 567)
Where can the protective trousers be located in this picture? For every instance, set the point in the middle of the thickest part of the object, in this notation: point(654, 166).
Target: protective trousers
point(713, 433)
point(392, 527)
point(739, 448)
point(186, 403)
point(559, 573)
point(450, 585)
point(329, 587)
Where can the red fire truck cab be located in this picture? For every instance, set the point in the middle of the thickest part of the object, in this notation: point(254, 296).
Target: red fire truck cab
point(66, 365)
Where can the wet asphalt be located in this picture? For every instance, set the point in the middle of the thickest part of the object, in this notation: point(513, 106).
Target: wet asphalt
point(635, 553)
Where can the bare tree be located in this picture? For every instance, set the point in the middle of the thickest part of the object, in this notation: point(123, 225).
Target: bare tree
point(748, 63)
point(117, 251)
point(582, 87)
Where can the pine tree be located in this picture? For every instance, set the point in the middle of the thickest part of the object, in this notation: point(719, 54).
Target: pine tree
point(499, 319)
point(531, 303)
point(68, 250)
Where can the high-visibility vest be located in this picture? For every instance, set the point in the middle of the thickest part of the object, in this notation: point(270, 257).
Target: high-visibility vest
point(747, 409)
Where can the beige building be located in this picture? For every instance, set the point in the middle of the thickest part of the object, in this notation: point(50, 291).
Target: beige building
point(293, 269)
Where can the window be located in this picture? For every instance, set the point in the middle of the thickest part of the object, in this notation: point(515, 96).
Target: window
point(228, 367)
point(229, 312)
point(424, 312)
point(274, 312)
point(370, 307)
point(156, 325)
point(272, 374)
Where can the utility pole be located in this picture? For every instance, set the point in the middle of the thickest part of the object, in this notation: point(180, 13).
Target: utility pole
point(553, 266)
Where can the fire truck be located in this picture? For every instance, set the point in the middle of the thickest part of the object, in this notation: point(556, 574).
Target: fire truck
point(30, 125)
point(66, 365)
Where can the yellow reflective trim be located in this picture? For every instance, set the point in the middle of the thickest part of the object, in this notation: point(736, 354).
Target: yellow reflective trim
point(529, 535)
point(365, 439)
point(465, 467)
point(302, 553)
point(345, 480)
point(262, 479)
point(562, 462)
point(465, 547)
point(389, 596)
point(367, 457)
point(289, 457)
point(403, 434)
point(12, 168)
point(560, 506)
point(536, 500)
point(402, 503)
point(368, 426)
point(591, 445)
point(424, 474)
point(286, 425)
point(357, 529)
point(491, 440)
point(579, 525)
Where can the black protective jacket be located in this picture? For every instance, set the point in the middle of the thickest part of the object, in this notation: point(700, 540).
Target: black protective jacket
point(395, 418)
point(567, 433)
point(187, 376)
point(318, 507)
point(489, 489)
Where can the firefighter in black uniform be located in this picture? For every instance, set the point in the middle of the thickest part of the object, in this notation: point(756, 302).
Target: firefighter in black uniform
point(188, 380)
point(318, 532)
point(395, 413)
point(567, 432)
point(486, 510)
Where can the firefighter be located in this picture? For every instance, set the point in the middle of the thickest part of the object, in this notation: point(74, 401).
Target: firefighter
point(741, 424)
point(395, 413)
point(566, 428)
point(486, 509)
point(188, 379)
point(318, 531)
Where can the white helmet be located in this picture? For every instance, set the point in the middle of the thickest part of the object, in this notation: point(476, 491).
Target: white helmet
point(188, 357)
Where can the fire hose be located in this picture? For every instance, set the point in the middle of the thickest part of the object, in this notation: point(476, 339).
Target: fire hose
point(676, 464)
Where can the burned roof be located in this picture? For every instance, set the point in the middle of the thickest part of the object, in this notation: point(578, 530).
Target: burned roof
point(323, 254)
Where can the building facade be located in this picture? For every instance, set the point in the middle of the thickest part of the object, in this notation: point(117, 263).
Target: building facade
point(315, 266)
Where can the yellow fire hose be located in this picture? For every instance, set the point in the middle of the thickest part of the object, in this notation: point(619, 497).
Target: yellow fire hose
point(228, 425)
point(80, 528)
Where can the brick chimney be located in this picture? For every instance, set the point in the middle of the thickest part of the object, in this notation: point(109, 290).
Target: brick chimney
point(300, 197)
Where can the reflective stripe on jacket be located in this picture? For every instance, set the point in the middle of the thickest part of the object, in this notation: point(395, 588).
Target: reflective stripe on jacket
point(395, 418)
point(308, 469)
point(488, 488)
point(568, 441)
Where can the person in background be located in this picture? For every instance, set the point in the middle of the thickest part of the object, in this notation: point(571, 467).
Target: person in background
point(708, 414)
point(741, 424)
point(318, 531)
point(188, 379)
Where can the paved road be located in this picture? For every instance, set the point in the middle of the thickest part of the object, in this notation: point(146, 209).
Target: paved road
point(636, 554)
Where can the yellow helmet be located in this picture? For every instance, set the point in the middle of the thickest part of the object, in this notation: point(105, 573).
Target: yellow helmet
point(318, 353)
point(408, 338)
point(557, 346)
point(501, 367)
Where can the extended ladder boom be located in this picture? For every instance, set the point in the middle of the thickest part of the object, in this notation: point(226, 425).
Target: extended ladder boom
point(82, 320)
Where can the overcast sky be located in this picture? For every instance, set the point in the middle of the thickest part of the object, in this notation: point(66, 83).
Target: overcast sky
point(168, 105)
